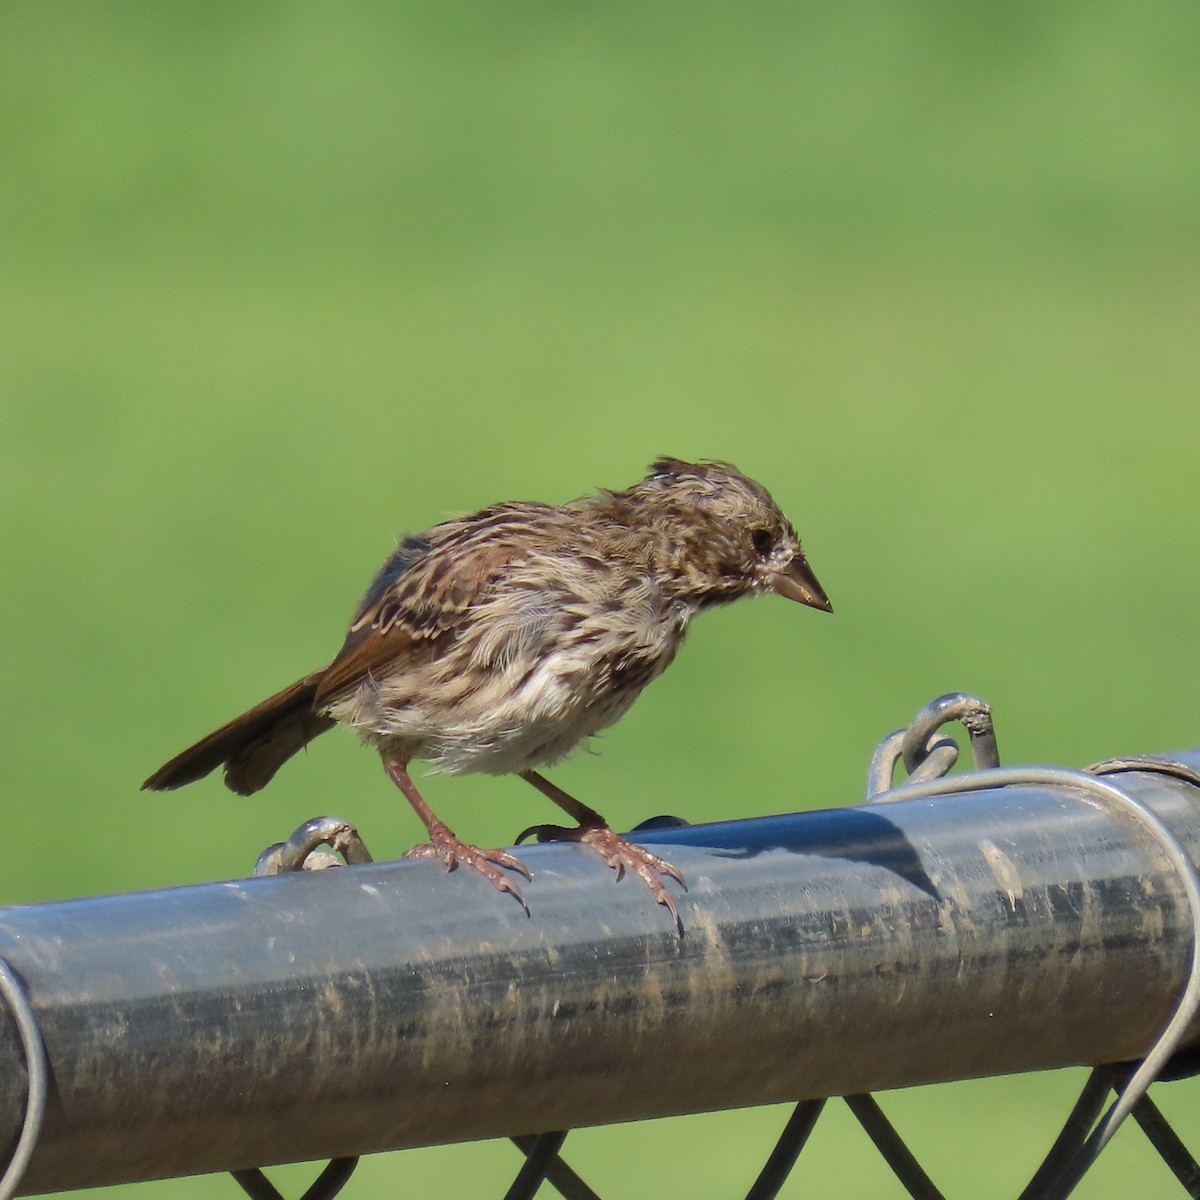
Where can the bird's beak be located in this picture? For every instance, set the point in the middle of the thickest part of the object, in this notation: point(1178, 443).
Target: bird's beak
point(797, 582)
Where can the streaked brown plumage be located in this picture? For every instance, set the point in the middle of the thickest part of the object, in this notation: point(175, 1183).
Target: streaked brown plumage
point(499, 641)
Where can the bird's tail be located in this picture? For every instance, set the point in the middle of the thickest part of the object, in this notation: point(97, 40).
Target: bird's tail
point(251, 747)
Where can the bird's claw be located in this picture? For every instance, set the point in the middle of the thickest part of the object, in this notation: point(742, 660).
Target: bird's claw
point(621, 855)
point(487, 862)
point(546, 833)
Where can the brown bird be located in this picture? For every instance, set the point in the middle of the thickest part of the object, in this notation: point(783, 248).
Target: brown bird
point(499, 641)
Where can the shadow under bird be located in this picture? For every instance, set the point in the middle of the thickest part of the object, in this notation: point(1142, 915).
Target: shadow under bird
point(499, 641)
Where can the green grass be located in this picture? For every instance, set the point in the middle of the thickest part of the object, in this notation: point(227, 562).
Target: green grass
point(284, 280)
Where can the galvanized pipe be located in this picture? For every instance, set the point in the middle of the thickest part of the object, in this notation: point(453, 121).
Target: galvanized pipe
point(385, 1005)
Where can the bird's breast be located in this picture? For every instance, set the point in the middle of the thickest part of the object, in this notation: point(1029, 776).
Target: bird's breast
point(533, 675)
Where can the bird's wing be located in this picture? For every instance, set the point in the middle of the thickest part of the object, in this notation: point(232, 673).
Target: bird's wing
point(416, 604)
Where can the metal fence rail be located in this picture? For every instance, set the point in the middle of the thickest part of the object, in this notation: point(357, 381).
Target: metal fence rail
point(385, 1005)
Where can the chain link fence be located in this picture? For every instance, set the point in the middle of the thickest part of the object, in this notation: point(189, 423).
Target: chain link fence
point(878, 945)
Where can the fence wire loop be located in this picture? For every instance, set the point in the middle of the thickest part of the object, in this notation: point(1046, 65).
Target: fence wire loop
point(37, 1078)
point(928, 754)
point(1184, 1063)
point(975, 716)
point(1160, 764)
point(927, 759)
point(938, 757)
point(306, 850)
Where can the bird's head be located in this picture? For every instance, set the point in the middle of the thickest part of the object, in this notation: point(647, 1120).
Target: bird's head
point(719, 535)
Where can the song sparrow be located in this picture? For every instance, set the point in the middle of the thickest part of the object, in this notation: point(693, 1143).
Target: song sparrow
point(499, 641)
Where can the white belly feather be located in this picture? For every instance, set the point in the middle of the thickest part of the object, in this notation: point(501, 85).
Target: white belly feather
point(530, 686)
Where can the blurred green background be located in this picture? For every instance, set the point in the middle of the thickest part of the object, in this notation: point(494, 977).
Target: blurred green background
point(282, 281)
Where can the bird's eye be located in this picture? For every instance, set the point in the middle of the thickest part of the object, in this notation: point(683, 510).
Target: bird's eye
point(763, 542)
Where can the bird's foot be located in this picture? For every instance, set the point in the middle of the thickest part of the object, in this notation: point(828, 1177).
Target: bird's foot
point(621, 855)
point(455, 853)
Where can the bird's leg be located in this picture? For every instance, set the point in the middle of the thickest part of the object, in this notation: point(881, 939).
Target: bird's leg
point(593, 830)
point(451, 850)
